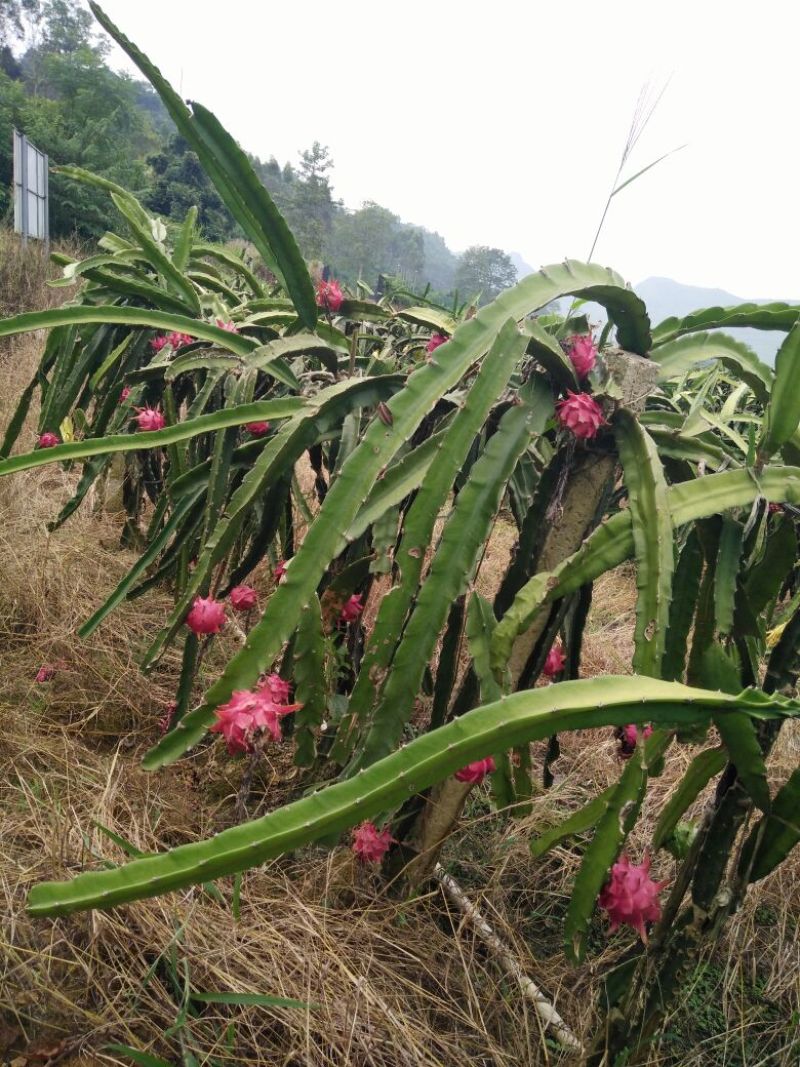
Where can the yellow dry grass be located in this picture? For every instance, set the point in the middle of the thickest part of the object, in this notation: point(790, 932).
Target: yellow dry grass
point(392, 982)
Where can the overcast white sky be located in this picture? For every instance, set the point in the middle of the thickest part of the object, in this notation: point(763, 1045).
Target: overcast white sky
point(502, 123)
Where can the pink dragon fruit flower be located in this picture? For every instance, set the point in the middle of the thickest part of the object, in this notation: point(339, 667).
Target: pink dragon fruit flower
point(257, 429)
point(46, 673)
point(582, 352)
point(371, 844)
point(126, 392)
point(150, 419)
point(329, 295)
point(630, 896)
point(436, 340)
point(581, 414)
point(477, 771)
point(247, 712)
point(628, 736)
point(229, 326)
point(554, 664)
point(207, 616)
point(277, 688)
point(235, 721)
point(49, 440)
point(158, 342)
point(243, 598)
point(280, 570)
point(178, 340)
point(352, 609)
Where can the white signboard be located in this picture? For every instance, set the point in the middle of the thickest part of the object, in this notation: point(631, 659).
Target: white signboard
point(30, 190)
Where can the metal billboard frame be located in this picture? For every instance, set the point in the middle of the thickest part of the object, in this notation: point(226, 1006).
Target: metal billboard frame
point(31, 191)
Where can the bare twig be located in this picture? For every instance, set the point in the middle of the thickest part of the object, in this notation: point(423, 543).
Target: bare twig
point(507, 960)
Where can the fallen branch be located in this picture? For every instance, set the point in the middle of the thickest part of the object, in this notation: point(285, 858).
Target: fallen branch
point(507, 960)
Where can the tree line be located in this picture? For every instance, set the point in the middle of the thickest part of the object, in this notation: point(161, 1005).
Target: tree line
point(57, 87)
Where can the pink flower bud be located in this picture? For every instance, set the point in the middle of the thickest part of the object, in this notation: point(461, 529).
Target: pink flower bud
point(329, 295)
point(243, 598)
point(150, 419)
point(231, 327)
point(126, 392)
point(554, 664)
point(45, 673)
point(582, 352)
point(280, 570)
point(581, 414)
point(436, 340)
point(49, 440)
point(371, 844)
point(477, 771)
point(352, 609)
point(207, 616)
point(630, 896)
point(257, 429)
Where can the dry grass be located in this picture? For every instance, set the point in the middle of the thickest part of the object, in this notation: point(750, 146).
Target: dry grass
point(394, 983)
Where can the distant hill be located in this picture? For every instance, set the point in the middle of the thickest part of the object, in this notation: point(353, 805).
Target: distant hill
point(523, 268)
point(665, 297)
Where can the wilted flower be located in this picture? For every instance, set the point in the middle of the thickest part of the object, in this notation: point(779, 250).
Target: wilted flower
point(628, 736)
point(165, 721)
point(45, 673)
point(436, 340)
point(329, 295)
point(207, 616)
point(554, 664)
point(257, 429)
point(150, 419)
point(371, 844)
point(49, 440)
point(231, 327)
point(582, 352)
point(243, 597)
point(630, 896)
point(352, 609)
point(774, 509)
point(477, 771)
point(581, 414)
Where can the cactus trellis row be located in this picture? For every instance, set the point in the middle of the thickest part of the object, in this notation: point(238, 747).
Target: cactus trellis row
point(672, 447)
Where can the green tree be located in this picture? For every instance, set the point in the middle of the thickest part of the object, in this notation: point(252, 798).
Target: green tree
point(373, 241)
point(484, 272)
point(311, 207)
point(440, 263)
point(14, 18)
point(64, 97)
point(180, 182)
